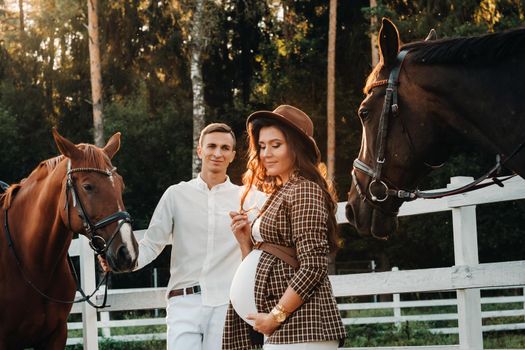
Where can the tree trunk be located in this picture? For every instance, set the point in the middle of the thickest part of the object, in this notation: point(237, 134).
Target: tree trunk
point(96, 76)
point(373, 36)
point(49, 77)
point(197, 46)
point(21, 18)
point(330, 98)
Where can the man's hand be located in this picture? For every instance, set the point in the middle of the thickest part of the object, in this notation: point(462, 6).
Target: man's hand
point(104, 263)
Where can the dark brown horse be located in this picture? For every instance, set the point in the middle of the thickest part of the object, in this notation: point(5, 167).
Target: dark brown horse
point(423, 101)
point(79, 191)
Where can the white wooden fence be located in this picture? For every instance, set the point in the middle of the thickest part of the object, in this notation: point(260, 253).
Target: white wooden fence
point(466, 277)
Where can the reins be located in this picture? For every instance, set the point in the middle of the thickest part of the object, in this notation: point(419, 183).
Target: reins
point(85, 297)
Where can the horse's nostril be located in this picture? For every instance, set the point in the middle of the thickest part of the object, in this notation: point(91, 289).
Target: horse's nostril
point(123, 254)
point(349, 212)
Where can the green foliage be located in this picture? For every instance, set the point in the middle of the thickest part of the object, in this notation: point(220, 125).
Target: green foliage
point(411, 334)
point(388, 335)
point(109, 344)
point(151, 144)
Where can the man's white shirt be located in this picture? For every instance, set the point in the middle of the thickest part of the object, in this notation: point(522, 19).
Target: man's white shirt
point(195, 220)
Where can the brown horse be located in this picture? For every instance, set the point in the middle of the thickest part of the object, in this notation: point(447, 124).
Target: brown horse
point(77, 192)
point(425, 100)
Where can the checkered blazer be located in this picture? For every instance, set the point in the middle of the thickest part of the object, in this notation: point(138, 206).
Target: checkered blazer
point(293, 216)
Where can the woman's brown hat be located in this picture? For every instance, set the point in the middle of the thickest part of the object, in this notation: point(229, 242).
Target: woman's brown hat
point(293, 117)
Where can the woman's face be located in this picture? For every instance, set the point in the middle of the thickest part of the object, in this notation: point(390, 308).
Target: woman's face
point(275, 153)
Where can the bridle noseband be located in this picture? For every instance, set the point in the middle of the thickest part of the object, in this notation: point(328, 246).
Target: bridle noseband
point(96, 242)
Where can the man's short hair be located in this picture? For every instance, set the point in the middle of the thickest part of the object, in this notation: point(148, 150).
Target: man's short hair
point(217, 127)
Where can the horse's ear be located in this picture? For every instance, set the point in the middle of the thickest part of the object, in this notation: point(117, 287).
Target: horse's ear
point(388, 42)
point(432, 35)
point(113, 145)
point(66, 147)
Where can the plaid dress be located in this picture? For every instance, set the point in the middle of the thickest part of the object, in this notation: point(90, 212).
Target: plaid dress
point(294, 216)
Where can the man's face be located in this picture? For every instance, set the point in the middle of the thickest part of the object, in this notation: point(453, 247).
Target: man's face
point(216, 152)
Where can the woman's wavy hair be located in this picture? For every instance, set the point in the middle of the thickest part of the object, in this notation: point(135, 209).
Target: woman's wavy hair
point(306, 165)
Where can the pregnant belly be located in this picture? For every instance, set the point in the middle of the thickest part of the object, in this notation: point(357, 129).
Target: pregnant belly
point(242, 291)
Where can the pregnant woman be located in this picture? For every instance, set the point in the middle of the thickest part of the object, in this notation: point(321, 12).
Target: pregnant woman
point(281, 289)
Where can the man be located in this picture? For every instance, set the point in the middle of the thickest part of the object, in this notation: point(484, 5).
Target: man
point(193, 216)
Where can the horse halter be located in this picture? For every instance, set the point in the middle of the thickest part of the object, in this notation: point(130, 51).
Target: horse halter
point(389, 105)
point(96, 242)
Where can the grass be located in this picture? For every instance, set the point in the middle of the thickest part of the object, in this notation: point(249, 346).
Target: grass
point(408, 334)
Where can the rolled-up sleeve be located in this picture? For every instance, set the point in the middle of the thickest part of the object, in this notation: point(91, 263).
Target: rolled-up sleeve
point(308, 220)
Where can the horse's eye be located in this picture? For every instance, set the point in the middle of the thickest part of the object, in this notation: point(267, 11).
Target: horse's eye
point(363, 113)
point(87, 187)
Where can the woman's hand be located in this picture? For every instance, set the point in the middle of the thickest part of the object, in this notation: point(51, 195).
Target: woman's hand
point(264, 323)
point(241, 228)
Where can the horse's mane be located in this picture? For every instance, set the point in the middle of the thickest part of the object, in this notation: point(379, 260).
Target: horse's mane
point(93, 158)
point(42, 170)
point(484, 49)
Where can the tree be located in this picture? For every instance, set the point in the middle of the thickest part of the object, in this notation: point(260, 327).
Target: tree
point(96, 76)
point(198, 41)
point(330, 98)
point(21, 14)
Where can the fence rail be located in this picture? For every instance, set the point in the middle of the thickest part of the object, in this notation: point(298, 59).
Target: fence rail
point(156, 298)
point(466, 277)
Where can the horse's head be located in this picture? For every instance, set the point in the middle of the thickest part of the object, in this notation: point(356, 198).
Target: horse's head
point(91, 201)
point(388, 160)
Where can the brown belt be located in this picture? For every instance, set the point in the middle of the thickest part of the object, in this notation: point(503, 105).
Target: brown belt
point(286, 254)
point(184, 291)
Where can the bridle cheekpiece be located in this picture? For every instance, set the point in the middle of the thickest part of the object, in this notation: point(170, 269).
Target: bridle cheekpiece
point(390, 105)
point(96, 242)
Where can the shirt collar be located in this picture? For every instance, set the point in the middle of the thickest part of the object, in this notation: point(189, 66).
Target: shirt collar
point(204, 186)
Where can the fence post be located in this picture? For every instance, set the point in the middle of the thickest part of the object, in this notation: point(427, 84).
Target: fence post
point(466, 253)
point(156, 284)
point(373, 267)
point(396, 301)
point(104, 317)
point(87, 278)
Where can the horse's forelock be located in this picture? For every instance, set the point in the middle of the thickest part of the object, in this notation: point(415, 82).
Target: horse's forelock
point(94, 157)
point(372, 78)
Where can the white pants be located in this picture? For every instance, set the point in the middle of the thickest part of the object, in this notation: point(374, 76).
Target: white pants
point(324, 345)
point(193, 326)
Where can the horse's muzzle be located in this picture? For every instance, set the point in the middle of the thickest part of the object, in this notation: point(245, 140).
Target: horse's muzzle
point(368, 220)
point(120, 259)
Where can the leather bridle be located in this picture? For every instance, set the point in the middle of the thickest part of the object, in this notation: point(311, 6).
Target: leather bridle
point(391, 107)
point(96, 242)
